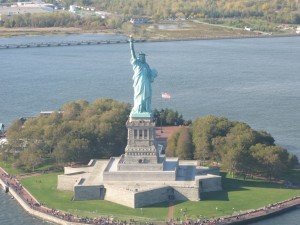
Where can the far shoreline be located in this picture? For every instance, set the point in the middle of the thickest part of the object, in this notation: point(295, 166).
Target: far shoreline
point(56, 31)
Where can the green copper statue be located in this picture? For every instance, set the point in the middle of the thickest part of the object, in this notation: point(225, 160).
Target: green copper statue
point(142, 78)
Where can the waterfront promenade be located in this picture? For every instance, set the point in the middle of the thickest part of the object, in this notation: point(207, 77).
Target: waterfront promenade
point(32, 206)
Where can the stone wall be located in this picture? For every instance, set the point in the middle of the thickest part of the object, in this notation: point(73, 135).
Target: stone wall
point(150, 197)
point(140, 198)
point(136, 198)
point(140, 176)
point(211, 184)
point(186, 193)
point(186, 172)
point(2, 184)
point(69, 170)
point(67, 182)
point(82, 192)
point(119, 195)
point(207, 170)
point(141, 167)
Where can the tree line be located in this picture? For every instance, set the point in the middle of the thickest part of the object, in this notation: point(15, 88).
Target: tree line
point(258, 13)
point(83, 131)
point(56, 19)
point(77, 132)
point(80, 131)
point(239, 148)
point(279, 11)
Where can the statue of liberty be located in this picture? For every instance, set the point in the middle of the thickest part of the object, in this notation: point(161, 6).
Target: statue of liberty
point(142, 77)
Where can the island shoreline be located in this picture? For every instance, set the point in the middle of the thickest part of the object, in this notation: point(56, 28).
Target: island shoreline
point(255, 215)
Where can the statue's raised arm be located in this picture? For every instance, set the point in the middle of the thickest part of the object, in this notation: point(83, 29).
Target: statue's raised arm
point(142, 77)
point(133, 56)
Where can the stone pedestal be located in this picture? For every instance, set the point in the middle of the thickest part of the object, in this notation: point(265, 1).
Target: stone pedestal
point(141, 144)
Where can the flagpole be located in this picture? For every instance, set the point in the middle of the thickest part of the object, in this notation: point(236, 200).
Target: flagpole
point(161, 131)
point(165, 96)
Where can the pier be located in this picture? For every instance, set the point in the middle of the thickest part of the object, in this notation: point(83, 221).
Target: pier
point(65, 43)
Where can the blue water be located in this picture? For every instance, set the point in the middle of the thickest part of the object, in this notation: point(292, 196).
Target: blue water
point(289, 218)
point(13, 214)
point(252, 80)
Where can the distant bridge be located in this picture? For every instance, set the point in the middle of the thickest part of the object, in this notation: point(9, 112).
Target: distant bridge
point(64, 43)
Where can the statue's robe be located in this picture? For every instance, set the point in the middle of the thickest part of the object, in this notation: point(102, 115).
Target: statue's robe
point(142, 78)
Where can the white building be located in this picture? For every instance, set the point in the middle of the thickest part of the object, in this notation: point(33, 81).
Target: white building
point(73, 8)
point(247, 28)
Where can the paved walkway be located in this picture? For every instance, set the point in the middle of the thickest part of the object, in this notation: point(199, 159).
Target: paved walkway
point(171, 211)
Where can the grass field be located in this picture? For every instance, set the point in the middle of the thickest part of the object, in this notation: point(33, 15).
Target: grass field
point(237, 196)
point(43, 187)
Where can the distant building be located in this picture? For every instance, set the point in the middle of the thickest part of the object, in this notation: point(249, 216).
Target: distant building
point(138, 21)
point(247, 28)
point(298, 30)
point(33, 5)
point(48, 113)
point(3, 141)
point(162, 135)
point(26, 7)
point(73, 8)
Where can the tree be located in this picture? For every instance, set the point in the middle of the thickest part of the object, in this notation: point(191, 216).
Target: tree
point(79, 132)
point(264, 138)
point(242, 150)
point(293, 161)
point(184, 147)
point(30, 158)
point(237, 158)
point(271, 160)
point(204, 130)
point(172, 145)
point(169, 117)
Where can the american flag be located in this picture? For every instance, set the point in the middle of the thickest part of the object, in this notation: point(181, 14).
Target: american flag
point(165, 95)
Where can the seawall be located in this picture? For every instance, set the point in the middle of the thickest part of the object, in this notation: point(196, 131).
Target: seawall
point(34, 212)
point(242, 218)
point(262, 213)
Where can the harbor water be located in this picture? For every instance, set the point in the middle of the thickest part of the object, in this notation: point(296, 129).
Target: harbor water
point(252, 80)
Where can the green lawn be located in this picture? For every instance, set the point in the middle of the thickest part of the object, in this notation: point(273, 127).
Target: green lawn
point(238, 195)
point(43, 187)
